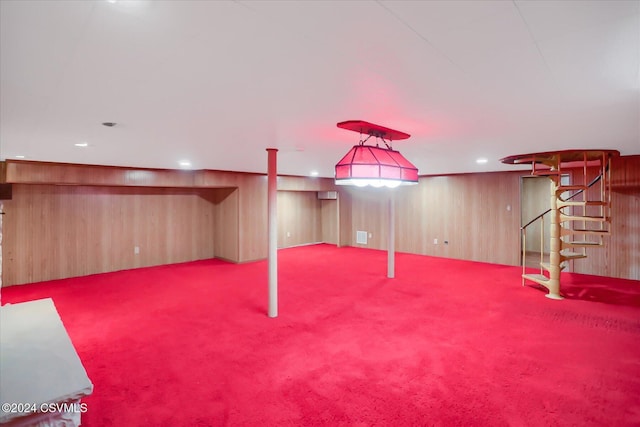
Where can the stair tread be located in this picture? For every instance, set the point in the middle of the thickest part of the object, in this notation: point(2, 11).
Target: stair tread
point(547, 266)
point(536, 277)
point(572, 255)
point(582, 243)
point(572, 187)
point(582, 203)
point(564, 217)
point(568, 231)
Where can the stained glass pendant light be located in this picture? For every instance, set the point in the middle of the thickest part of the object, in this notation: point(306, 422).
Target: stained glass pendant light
point(376, 166)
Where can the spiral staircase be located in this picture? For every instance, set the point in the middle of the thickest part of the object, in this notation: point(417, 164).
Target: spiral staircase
point(579, 213)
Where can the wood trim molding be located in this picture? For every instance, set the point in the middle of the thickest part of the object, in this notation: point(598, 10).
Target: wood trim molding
point(34, 172)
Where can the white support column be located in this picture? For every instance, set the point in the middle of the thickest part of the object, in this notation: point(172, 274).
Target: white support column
point(1, 210)
point(272, 199)
point(391, 244)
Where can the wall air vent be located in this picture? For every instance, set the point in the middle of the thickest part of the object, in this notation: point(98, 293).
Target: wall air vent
point(361, 237)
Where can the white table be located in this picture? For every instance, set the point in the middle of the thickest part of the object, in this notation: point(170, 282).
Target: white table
point(40, 367)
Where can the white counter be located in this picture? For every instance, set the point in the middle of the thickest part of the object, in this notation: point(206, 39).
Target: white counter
point(39, 367)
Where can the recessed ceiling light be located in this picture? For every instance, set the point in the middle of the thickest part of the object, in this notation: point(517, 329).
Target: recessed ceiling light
point(81, 144)
point(19, 156)
point(482, 160)
point(184, 163)
point(313, 173)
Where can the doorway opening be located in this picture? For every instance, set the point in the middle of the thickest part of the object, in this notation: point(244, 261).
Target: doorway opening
point(534, 218)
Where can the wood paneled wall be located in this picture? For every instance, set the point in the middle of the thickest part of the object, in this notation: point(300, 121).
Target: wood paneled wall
point(53, 232)
point(625, 176)
point(369, 212)
point(299, 218)
point(346, 232)
point(330, 221)
point(477, 214)
point(470, 212)
point(253, 224)
point(251, 242)
point(92, 226)
point(225, 218)
point(620, 256)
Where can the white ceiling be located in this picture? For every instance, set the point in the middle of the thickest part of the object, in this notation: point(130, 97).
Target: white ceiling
point(217, 82)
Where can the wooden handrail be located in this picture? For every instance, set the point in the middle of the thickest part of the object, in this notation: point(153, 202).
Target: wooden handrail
point(596, 179)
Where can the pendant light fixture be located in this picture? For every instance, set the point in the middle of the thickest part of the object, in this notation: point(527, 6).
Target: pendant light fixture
point(376, 166)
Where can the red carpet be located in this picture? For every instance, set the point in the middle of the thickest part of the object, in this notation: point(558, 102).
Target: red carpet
point(446, 343)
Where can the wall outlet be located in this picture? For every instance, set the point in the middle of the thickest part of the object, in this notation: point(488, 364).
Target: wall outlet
point(435, 241)
point(288, 234)
point(370, 235)
point(136, 250)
